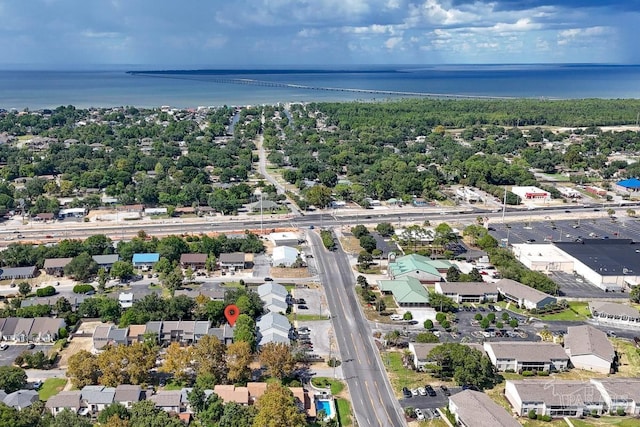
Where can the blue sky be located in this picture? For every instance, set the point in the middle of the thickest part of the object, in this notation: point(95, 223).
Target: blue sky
point(209, 33)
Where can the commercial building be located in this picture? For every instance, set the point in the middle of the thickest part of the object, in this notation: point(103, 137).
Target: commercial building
point(406, 291)
point(631, 185)
point(531, 193)
point(284, 239)
point(522, 295)
point(461, 292)
point(284, 256)
point(543, 257)
point(417, 266)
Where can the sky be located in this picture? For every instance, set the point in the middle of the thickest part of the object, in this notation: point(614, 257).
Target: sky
point(53, 34)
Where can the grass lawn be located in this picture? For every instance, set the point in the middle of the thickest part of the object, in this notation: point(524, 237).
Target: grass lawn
point(606, 421)
point(231, 285)
point(577, 311)
point(305, 317)
point(324, 382)
point(389, 302)
point(629, 358)
point(535, 423)
point(401, 376)
point(51, 387)
point(344, 412)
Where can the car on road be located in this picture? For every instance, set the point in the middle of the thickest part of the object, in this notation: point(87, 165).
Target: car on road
point(268, 279)
point(419, 414)
point(445, 390)
point(406, 392)
point(31, 346)
point(303, 307)
point(304, 329)
point(301, 301)
point(611, 334)
point(4, 346)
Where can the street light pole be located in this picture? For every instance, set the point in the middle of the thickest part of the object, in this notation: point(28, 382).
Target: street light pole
point(504, 204)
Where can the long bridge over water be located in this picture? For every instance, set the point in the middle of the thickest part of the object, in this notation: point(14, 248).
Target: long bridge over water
point(266, 83)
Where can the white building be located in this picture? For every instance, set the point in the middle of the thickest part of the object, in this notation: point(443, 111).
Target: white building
point(284, 239)
point(526, 356)
point(543, 257)
point(284, 255)
point(531, 193)
point(589, 349)
point(473, 408)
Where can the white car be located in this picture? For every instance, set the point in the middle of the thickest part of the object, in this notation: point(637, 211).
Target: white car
point(422, 391)
point(395, 317)
point(419, 414)
point(4, 346)
point(414, 391)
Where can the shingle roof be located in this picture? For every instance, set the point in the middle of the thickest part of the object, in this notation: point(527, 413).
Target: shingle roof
point(476, 409)
point(232, 258)
point(231, 393)
point(65, 399)
point(193, 258)
point(585, 339)
point(21, 399)
point(127, 393)
point(56, 262)
point(98, 394)
point(166, 398)
point(105, 259)
point(614, 309)
point(272, 288)
point(405, 290)
point(557, 392)
point(620, 388)
point(527, 351)
point(13, 272)
point(273, 320)
point(518, 290)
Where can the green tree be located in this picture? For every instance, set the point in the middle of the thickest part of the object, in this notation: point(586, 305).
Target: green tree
point(428, 324)
point(24, 288)
point(475, 276)
point(145, 414)
point(67, 418)
point(277, 408)
point(83, 369)
point(235, 415)
point(98, 244)
point(113, 410)
point(407, 316)
point(121, 270)
point(359, 231)
point(368, 243)
point(103, 276)
point(277, 359)
point(453, 274)
point(426, 337)
point(385, 229)
point(173, 281)
point(464, 365)
point(442, 303)
point(319, 196)
point(245, 330)
point(82, 267)
point(634, 294)
point(12, 378)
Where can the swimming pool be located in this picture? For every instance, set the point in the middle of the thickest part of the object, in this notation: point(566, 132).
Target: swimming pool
point(326, 406)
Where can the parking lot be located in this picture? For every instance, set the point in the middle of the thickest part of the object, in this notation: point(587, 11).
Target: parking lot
point(9, 355)
point(573, 286)
point(440, 400)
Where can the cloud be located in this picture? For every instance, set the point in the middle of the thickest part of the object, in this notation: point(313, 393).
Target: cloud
point(393, 42)
point(581, 35)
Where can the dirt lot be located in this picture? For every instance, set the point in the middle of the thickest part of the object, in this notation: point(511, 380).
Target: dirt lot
point(289, 273)
point(78, 343)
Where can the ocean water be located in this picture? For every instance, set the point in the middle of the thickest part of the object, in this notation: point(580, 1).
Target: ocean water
point(49, 89)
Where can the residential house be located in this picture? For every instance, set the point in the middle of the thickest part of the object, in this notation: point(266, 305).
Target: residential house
point(125, 299)
point(136, 333)
point(23, 330)
point(557, 398)
point(276, 298)
point(420, 352)
point(235, 261)
point(273, 327)
point(263, 205)
point(620, 393)
point(615, 314)
point(522, 295)
point(21, 399)
point(184, 210)
point(18, 273)
point(223, 333)
point(589, 349)
point(127, 394)
point(64, 400)
point(97, 397)
point(284, 256)
point(476, 409)
point(109, 335)
point(231, 393)
point(169, 401)
point(145, 262)
point(9, 328)
point(106, 261)
point(44, 216)
point(55, 266)
point(407, 291)
point(526, 356)
point(462, 292)
point(418, 267)
point(45, 329)
point(193, 261)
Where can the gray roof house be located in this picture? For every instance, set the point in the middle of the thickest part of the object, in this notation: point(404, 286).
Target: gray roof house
point(23, 330)
point(620, 393)
point(9, 329)
point(224, 333)
point(614, 314)
point(526, 356)
point(21, 399)
point(106, 261)
point(274, 296)
point(523, 295)
point(169, 401)
point(127, 394)
point(45, 329)
point(476, 409)
point(11, 273)
point(101, 336)
point(64, 400)
point(589, 349)
point(97, 397)
point(555, 398)
point(273, 327)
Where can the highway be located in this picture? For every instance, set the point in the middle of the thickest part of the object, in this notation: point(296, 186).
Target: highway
point(374, 403)
point(125, 230)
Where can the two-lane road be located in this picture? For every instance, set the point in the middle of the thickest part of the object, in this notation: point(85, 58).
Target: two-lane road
point(374, 403)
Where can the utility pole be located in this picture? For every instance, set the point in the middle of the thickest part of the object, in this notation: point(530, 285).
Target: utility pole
point(504, 204)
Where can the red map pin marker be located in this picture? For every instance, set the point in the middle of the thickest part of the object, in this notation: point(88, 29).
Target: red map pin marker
point(231, 312)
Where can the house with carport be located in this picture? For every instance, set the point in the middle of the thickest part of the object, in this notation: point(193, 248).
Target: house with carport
point(526, 356)
point(589, 349)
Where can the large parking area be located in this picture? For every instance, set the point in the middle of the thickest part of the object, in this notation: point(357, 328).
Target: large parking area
point(575, 287)
point(9, 355)
point(440, 400)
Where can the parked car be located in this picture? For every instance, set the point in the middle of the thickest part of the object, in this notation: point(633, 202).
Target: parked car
point(414, 392)
point(268, 279)
point(406, 392)
point(422, 391)
point(430, 391)
point(4, 346)
point(445, 390)
point(395, 317)
point(419, 414)
point(303, 307)
point(31, 346)
point(301, 301)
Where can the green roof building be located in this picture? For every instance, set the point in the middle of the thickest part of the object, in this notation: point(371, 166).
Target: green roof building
point(423, 268)
point(406, 291)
